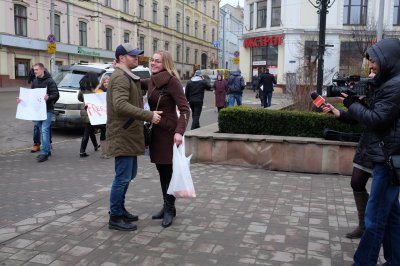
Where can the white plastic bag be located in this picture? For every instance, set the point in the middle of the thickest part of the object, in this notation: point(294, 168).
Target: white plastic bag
point(181, 185)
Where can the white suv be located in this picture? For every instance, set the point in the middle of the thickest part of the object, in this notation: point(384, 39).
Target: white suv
point(67, 109)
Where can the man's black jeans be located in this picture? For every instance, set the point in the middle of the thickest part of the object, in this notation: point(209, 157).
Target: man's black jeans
point(196, 111)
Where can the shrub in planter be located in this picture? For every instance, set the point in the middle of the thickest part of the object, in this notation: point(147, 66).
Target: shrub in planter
point(258, 121)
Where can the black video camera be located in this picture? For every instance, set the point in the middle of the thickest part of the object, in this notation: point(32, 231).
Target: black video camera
point(351, 85)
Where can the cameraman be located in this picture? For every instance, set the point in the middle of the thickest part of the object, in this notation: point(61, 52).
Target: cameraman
point(382, 121)
point(362, 168)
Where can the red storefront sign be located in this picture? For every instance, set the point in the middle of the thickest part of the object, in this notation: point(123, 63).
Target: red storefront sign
point(263, 41)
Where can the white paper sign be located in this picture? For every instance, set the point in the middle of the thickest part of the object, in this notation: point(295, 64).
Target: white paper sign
point(96, 107)
point(32, 105)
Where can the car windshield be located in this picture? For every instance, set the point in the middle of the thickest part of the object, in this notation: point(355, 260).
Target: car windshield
point(67, 79)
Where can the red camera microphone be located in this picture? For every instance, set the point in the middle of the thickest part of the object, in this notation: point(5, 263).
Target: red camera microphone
point(318, 100)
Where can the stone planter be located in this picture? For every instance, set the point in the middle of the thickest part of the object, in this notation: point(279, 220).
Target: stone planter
point(279, 153)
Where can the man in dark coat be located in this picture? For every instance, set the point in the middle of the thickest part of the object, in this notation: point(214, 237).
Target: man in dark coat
point(382, 121)
point(235, 88)
point(267, 80)
point(194, 93)
point(43, 80)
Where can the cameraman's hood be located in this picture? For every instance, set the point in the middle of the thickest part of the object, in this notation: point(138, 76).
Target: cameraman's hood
point(385, 53)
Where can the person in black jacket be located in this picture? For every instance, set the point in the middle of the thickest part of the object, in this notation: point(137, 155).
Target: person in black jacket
point(43, 80)
point(382, 121)
point(194, 93)
point(266, 80)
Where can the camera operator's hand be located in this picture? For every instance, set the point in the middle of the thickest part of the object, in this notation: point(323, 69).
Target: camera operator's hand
point(348, 100)
point(329, 108)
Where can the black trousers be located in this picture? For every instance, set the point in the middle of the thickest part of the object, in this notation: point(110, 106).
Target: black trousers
point(165, 172)
point(88, 133)
point(196, 112)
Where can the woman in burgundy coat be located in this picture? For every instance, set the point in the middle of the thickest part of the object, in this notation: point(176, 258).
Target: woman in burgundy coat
point(221, 88)
point(164, 86)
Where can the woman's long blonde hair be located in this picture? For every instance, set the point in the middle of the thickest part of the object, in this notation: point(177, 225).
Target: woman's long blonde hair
point(168, 63)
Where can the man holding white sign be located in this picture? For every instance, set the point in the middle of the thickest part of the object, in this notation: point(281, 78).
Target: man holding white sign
point(43, 80)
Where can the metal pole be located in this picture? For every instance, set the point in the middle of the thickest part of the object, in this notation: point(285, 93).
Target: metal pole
point(53, 56)
point(223, 39)
point(321, 45)
point(379, 31)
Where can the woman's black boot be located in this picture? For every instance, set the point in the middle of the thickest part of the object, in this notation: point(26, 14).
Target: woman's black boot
point(169, 207)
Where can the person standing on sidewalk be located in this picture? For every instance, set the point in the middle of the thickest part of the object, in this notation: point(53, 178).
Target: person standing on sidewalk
point(43, 80)
point(267, 80)
point(382, 121)
point(194, 93)
point(165, 94)
point(221, 88)
point(125, 116)
point(235, 88)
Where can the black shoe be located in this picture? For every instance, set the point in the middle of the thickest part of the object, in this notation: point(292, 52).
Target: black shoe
point(42, 157)
point(49, 154)
point(96, 147)
point(117, 222)
point(129, 217)
point(83, 154)
point(159, 215)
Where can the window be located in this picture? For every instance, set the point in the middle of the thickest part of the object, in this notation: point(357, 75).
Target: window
point(187, 25)
point(355, 12)
point(57, 27)
point(155, 45)
point(108, 39)
point(125, 7)
point(155, 12)
point(276, 13)
point(141, 43)
point(213, 12)
point(396, 17)
point(178, 53)
point(196, 29)
point(212, 35)
point(166, 16)
point(251, 16)
point(187, 55)
point(21, 68)
point(82, 33)
point(166, 46)
point(350, 59)
point(261, 14)
point(20, 20)
point(204, 32)
point(196, 53)
point(107, 3)
point(204, 6)
point(178, 22)
point(196, 4)
point(126, 37)
point(266, 53)
point(141, 8)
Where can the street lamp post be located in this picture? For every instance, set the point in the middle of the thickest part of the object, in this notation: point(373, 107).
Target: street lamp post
point(322, 6)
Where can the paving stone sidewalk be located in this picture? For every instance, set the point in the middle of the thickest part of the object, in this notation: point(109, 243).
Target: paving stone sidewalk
point(241, 216)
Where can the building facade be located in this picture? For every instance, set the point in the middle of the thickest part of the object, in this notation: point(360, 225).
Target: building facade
point(90, 30)
point(282, 35)
point(230, 33)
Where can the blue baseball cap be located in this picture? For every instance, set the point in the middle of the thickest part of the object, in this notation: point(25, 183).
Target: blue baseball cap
point(127, 49)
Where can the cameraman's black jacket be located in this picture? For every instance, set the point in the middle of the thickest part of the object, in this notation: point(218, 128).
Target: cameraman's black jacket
point(382, 117)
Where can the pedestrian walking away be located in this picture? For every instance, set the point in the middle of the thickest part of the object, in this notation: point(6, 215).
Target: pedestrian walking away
point(125, 116)
point(165, 92)
point(194, 93)
point(87, 85)
point(235, 88)
point(267, 80)
point(382, 121)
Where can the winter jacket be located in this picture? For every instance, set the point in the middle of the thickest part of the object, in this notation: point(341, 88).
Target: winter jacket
point(47, 82)
point(162, 141)
point(221, 88)
point(195, 88)
point(235, 83)
point(125, 114)
point(267, 80)
point(382, 117)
